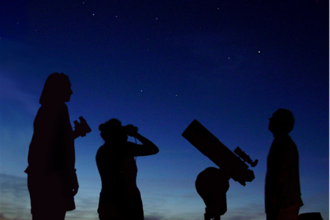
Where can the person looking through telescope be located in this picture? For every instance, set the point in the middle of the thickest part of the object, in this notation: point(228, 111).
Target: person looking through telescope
point(120, 197)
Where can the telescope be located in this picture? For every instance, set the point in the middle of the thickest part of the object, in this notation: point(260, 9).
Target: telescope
point(234, 162)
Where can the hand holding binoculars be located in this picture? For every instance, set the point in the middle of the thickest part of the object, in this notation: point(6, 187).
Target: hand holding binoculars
point(81, 128)
point(130, 130)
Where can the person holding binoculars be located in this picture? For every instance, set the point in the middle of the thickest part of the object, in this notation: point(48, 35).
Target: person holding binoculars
point(52, 180)
point(120, 197)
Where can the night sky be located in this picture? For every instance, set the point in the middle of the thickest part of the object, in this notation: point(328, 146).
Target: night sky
point(159, 65)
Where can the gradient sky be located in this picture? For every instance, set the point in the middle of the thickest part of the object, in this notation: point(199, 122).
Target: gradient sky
point(159, 65)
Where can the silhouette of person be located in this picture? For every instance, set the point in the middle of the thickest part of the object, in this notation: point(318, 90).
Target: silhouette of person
point(120, 197)
point(282, 188)
point(212, 185)
point(52, 180)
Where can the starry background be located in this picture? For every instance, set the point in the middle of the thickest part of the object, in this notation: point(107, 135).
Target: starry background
point(159, 65)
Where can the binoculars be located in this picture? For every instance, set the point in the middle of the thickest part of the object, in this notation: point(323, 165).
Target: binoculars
point(82, 127)
point(130, 130)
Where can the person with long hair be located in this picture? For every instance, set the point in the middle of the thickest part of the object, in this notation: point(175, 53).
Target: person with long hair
point(52, 179)
point(120, 197)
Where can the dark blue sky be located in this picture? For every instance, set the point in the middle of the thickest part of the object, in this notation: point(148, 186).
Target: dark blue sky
point(159, 65)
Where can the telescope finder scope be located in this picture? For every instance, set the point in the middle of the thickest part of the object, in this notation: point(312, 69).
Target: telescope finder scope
point(245, 157)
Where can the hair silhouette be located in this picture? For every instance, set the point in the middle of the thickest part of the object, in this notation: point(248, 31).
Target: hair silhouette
point(111, 130)
point(55, 89)
point(120, 197)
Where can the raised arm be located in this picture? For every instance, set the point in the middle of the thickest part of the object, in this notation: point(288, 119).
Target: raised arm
point(144, 149)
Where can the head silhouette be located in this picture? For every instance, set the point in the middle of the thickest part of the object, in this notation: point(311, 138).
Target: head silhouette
point(281, 122)
point(112, 131)
point(57, 89)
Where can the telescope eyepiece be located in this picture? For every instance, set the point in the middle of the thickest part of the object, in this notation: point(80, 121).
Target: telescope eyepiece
point(246, 158)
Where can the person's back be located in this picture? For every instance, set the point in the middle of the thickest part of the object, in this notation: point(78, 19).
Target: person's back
point(108, 163)
point(117, 168)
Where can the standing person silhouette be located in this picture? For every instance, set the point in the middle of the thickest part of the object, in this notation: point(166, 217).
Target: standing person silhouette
point(52, 179)
point(282, 188)
point(120, 197)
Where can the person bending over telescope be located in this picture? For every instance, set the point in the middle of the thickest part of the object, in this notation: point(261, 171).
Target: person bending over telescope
point(120, 197)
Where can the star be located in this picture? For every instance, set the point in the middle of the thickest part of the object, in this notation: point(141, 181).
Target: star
point(259, 51)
